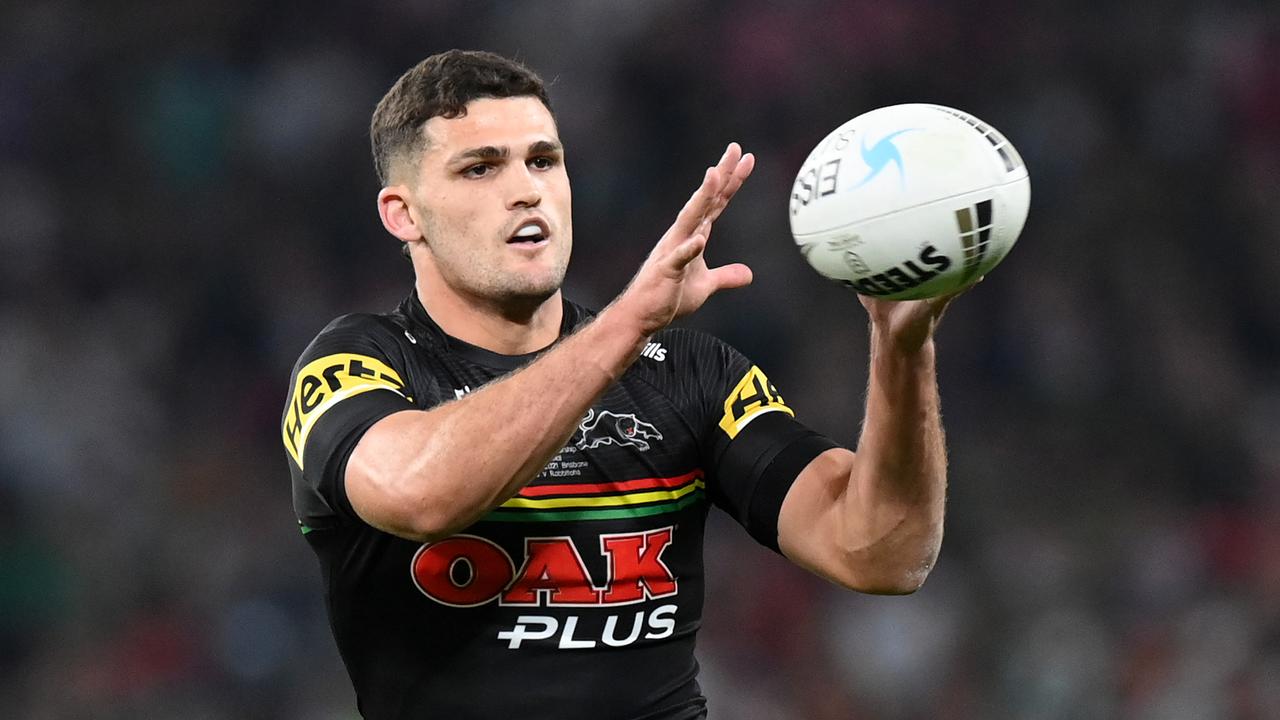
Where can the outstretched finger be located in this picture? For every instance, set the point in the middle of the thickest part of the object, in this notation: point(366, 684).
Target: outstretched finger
point(701, 205)
point(730, 166)
point(697, 207)
point(729, 160)
point(739, 174)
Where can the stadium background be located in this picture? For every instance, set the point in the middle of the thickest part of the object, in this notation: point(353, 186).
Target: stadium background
point(186, 197)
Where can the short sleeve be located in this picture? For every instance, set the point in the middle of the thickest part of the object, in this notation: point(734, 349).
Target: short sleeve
point(754, 447)
point(351, 376)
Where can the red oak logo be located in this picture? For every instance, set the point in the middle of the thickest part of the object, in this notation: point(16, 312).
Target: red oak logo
point(466, 571)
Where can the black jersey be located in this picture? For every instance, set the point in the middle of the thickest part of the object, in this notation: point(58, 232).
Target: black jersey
point(579, 597)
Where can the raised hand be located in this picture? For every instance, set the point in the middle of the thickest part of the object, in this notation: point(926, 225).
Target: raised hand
point(908, 324)
point(675, 279)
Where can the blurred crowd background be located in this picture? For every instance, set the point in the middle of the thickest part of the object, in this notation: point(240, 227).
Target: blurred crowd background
point(186, 198)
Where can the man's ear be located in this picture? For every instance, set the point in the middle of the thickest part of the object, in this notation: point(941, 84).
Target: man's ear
point(393, 208)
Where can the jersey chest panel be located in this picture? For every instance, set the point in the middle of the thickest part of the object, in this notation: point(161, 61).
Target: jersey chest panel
point(585, 585)
point(603, 549)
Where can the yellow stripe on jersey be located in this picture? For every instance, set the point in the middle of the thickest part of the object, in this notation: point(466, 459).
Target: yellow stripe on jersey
point(753, 396)
point(324, 383)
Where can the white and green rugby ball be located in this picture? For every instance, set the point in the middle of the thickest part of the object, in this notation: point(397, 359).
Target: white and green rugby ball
point(910, 201)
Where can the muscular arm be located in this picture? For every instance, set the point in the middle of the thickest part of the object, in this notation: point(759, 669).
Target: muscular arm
point(427, 474)
point(872, 520)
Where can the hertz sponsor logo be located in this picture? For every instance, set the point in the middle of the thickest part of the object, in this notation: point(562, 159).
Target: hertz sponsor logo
point(326, 382)
point(752, 396)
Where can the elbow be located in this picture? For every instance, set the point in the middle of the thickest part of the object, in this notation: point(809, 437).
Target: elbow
point(426, 526)
point(893, 581)
point(405, 509)
point(898, 564)
point(428, 519)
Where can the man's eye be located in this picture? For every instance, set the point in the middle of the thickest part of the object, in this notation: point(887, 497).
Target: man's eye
point(476, 171)
point(543, 163)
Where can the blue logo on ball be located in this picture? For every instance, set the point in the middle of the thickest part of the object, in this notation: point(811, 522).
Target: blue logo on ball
point(878, 157)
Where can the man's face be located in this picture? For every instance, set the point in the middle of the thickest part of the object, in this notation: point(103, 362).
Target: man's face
point(492, 198)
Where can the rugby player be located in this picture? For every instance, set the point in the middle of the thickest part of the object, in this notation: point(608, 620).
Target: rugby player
point(507, 492)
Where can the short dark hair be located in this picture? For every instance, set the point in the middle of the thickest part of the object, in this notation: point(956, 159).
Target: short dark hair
point(441, 86)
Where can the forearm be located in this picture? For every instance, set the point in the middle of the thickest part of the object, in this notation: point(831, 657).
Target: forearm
point(447, 467)
point(428, 474)
point(895, 503)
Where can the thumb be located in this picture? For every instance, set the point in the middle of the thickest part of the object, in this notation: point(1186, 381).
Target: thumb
point(730, 276)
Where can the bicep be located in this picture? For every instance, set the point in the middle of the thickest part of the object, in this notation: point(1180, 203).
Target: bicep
point(809, 521)
point(373, 482)
point(835, 526)
point(320, 448)
point(348, 378)
point(755, 471)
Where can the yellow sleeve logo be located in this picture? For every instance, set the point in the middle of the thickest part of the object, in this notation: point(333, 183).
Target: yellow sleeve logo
point(754, 395)
point(326, 382)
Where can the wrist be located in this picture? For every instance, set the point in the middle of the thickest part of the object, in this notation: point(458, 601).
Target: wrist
point(624, 324)
point(619, 331)
point(914, 344)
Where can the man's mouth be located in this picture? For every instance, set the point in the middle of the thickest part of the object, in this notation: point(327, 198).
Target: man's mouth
point(532, 232)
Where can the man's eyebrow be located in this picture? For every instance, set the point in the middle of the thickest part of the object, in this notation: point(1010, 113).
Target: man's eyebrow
point(487, 152)
point(546, 146)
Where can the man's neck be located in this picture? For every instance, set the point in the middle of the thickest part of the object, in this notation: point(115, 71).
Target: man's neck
point(513, 328)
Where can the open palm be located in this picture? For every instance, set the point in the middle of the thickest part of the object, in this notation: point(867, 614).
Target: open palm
point(675, 279)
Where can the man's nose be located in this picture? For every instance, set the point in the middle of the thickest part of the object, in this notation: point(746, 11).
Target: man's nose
point(523, 190)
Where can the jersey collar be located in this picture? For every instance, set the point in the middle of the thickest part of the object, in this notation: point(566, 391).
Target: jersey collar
point(421, 321)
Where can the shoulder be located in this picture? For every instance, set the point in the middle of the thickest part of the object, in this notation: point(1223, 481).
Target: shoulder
point(711, 368)
point(352, 354)
point(367, 334)
point(690, 350)
point(671, 341)
point(359, 326)
point(691, 364)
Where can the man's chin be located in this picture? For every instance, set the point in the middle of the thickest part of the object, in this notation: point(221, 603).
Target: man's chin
point(532, 293)
point(540, 286)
